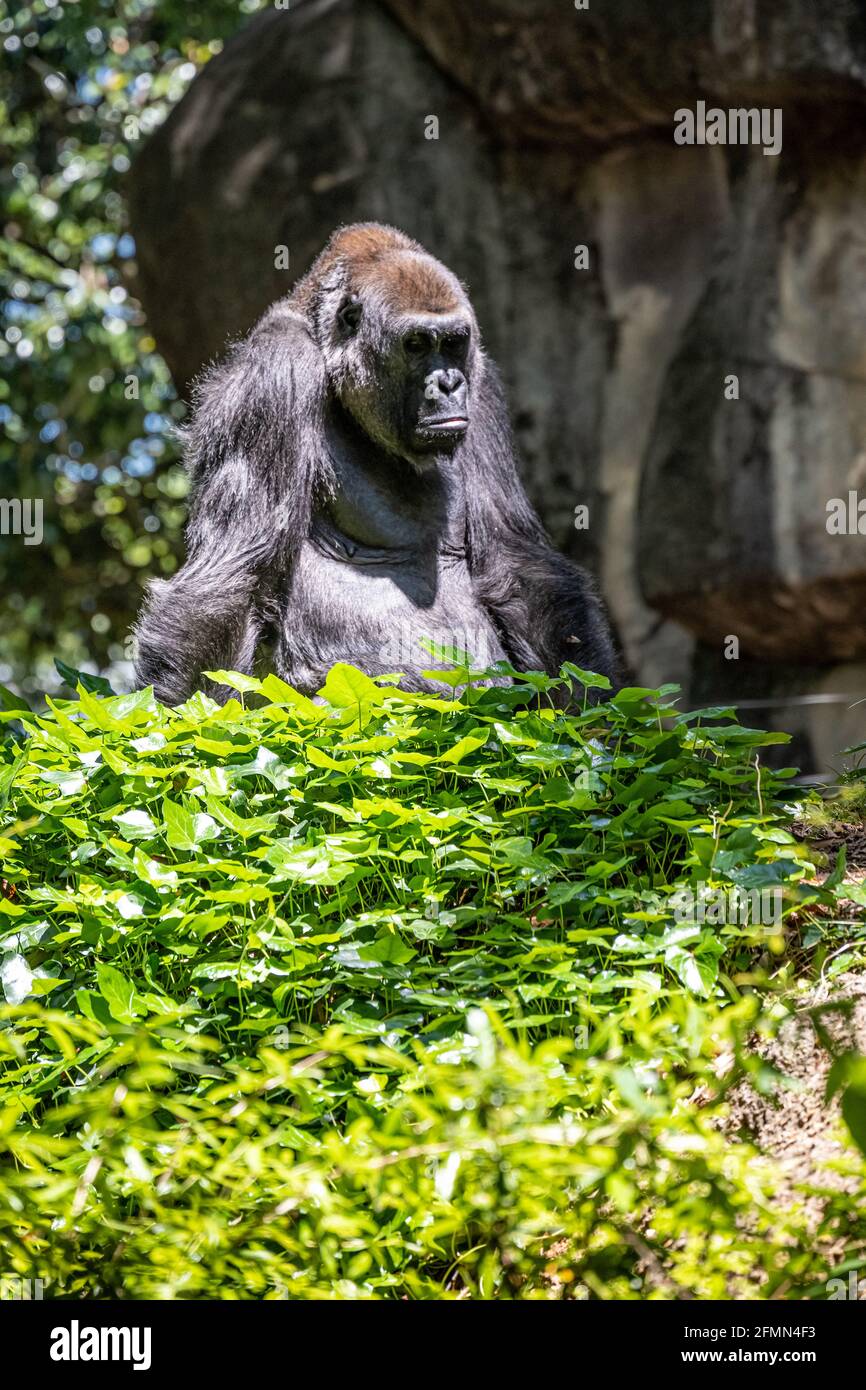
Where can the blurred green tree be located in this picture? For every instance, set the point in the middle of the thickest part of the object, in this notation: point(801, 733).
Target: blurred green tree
point(88, 411)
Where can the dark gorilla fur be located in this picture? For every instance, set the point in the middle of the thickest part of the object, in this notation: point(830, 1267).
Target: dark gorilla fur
point(355, 490)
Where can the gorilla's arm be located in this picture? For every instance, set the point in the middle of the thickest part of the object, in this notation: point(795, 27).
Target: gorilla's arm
point(252, 449)
point(545, 608)
point(204, 619)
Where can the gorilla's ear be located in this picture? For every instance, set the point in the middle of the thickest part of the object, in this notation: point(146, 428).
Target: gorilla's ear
point(255, 445)
point(497, 506)
point(349, 315)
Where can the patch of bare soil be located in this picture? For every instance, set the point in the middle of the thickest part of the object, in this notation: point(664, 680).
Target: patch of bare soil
point(830, 839)
point(796, 1125)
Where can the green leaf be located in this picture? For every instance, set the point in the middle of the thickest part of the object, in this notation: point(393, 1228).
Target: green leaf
point(279, 693)
point(10, 701)
point(16, 977)
point(96, 685)
point(317, 757)
point(118, 993)
point(346, 686)
point(387, 950)
point(854, 1112)
point(136, 825)
point(185, 830)
point(464, 746)
point(835, 878)
point(696, 974)
point(589, 679)
point(456, 656)
point(236, 680)
point(97, 711)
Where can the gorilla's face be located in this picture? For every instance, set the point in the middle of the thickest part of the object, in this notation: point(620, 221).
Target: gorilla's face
point(430, 358)
point(402, 360)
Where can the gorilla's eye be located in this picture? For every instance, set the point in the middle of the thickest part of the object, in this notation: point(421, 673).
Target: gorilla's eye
point(349, 314)
point(455, 345)
point(417, 343)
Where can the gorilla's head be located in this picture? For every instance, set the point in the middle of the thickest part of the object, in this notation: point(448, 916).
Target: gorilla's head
point(399, 339)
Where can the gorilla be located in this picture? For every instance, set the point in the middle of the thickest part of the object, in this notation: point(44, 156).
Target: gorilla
point(354, 491)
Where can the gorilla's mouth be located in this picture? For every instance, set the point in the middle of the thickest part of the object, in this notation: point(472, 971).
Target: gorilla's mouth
point(456, 425)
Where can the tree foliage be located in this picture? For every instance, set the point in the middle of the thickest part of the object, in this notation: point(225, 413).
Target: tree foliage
point(87, 406)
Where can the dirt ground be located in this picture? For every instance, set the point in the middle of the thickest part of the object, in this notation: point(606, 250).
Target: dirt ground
point(796, 1126)
point(830, 840)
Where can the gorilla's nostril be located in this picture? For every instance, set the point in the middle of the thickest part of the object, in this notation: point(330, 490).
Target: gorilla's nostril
point(443, 383)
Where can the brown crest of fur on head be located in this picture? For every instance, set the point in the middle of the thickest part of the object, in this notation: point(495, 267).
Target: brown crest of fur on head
point(412, 282)
point(372, 255)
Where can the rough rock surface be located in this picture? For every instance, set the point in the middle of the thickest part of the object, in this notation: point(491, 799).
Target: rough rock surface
point(707, 515)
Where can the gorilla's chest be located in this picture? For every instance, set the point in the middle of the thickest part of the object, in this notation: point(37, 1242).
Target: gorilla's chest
point(374, 607)
point(384, 568)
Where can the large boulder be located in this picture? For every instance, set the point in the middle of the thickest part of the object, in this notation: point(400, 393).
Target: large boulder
point(549, 69)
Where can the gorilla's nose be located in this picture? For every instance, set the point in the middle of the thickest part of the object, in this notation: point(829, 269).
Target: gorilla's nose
point(446, 384)
point(449, 380)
